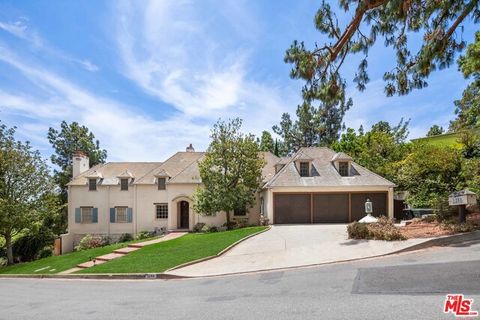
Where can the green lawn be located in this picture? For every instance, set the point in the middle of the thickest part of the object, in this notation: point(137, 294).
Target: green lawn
point(165, 255)
point(447, 139)
point(52, 265)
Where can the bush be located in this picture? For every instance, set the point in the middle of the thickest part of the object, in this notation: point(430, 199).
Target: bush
point(27, 247)
point(459, 228)
point(207, 228)
point(441, 209)
point(384, 229)
point(231, 225)
point(90, 242)
point(45, 252)
point(143, 235)
point(198, 227)
point(357, 230)
point(125, 237)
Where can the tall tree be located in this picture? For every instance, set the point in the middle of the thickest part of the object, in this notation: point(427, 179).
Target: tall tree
point(70, 138)
point(435, 130)
point(266, 142)
point(372, 20)
point(468, 107)
point(26, 188)
point(231, 171)
point(313, 126)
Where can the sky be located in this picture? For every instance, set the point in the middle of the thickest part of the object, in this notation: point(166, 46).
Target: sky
point(150, 77)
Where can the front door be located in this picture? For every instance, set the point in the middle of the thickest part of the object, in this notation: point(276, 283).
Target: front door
point(184, 215)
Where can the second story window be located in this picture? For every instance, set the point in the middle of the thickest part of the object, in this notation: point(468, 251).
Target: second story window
point(240, 212)
point(304, 169)
point(161, 184)
point(92, 184)
point(124, 184)
point(86, 214)
point(343, 169)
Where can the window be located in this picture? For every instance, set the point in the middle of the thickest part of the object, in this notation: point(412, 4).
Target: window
point(343, 169)
point(92, 184)
point(124, 184)
point(161, 183)
point(162, 211)
point(86, 214)
point(240, 212)
point(121, 214)
point(304, 169)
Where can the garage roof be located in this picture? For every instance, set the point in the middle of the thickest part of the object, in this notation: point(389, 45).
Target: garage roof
point(324, 172)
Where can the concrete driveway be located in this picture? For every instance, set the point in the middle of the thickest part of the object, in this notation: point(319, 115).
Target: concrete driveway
point(286, 246)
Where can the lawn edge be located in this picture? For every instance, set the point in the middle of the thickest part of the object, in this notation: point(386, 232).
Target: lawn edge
point(221, 253)
point(123, 276)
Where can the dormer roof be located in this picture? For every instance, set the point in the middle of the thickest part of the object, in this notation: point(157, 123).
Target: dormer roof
point(340, 156)
point(125, 174)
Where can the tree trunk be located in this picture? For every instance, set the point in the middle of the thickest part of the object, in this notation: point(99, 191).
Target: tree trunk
point(228, 220)
point(8, 243)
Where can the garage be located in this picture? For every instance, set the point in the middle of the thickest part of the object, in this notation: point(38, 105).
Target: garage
point(292, 208)
point(326, 207)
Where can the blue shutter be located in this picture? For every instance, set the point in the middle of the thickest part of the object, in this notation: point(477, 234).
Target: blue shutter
point(129, 214)
point(78, 215)
point(94, 215)
point(112, 215)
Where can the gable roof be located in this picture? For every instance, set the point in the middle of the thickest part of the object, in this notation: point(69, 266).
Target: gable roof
point(111, 171)
point(173, 166)
point(324, 172)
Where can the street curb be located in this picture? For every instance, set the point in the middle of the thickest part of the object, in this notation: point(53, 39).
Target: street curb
point(128, 276)
point(443, 241)
point(221, 253)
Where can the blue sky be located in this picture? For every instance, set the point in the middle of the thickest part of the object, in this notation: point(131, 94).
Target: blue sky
point(150, 77)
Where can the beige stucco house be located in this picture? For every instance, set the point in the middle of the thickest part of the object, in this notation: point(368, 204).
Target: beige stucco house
point(315, 185)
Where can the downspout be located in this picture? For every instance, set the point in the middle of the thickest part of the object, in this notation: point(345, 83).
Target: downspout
point(135, 212)
point(108, 211)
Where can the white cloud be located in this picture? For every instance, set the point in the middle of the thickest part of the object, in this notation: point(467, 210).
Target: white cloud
point(173, 53)
point(123, 130)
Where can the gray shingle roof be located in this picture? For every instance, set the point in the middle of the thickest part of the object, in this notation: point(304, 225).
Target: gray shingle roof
point(111, 171)
point(324, 173)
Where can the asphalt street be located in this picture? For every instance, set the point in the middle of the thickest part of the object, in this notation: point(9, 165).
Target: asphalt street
point(406, 286)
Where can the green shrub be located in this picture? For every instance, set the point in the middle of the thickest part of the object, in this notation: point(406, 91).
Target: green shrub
point(198, 227)
point(45, 252)
point(357, 230)
point(27, 247)
point(143, 235)
point(125, 237)
point(90, 242)
point(207, 228)
point(441, 209)
point(231, 225)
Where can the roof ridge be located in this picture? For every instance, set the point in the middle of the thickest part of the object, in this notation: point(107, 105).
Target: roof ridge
point(186, 167)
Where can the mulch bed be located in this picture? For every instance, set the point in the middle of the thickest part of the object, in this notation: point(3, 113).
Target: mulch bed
point(418, 228)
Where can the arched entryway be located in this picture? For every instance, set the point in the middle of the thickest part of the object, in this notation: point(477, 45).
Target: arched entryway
point(183, 215)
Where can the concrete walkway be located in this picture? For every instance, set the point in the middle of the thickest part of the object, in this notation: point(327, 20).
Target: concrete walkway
point(289, 246)
point(122, 252)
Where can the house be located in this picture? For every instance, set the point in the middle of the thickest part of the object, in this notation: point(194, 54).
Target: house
point(315, 185)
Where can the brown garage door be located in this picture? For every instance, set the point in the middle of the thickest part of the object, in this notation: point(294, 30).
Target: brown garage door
point(292, 208)
point(379, 203)
point(330, 208)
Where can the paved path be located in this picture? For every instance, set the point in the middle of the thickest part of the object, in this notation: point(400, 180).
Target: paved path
point(414, 287)
point(292, 246)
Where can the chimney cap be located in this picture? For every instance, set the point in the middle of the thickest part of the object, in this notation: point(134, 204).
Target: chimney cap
point(190, 148)
point(79, 153)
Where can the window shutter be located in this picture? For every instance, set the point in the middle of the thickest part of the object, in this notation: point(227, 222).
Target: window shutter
point(112, 215)
point(94, 215)
point(78, 215)
point(129, 214)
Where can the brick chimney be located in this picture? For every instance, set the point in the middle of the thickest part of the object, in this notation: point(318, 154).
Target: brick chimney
point(80, 163)
point(190, 148)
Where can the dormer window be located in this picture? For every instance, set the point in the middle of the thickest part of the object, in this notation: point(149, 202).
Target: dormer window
point(162, 183)
point(124, 184)
point(92, 184)
point(304, 169)
point(343, 168)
